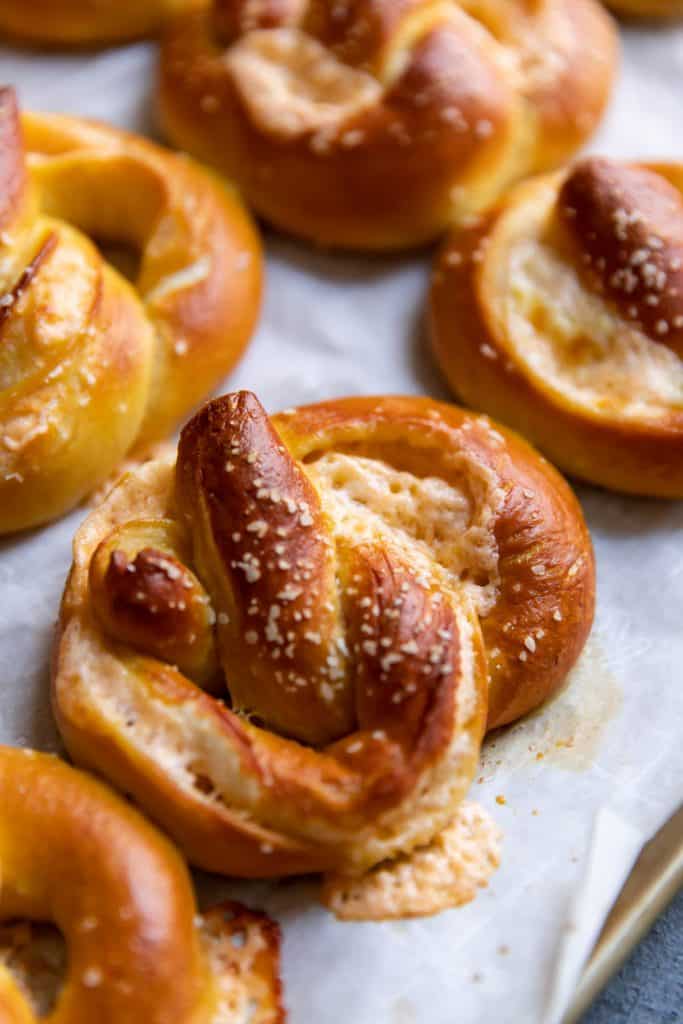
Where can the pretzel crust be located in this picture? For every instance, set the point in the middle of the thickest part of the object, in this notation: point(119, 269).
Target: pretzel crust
point(88, 22)
point(89, 363)
point(123, 901)
point(561, 314)
point(390, 733)
point(647, 8)
point(372, 124)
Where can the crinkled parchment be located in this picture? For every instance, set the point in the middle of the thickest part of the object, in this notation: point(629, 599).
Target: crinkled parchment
point(607, 750)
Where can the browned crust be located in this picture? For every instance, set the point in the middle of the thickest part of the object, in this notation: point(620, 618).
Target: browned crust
point(447, 133)
point(122, 898)
point(413, 705)
point(632, 456)
point(539, 524)
point(133, 359)
point(570, 96)
point(234, 472)
point(339, 781)
point(213, 839)
point(407, 715)
point(148, 598)
point(153, 597)
point(626, 226)
point(23, 283)
point(396, 743)
point(295, 182)
point(361, 32)
point(648, 8)
point(267, 539)
point(203, 327)
point(231, 18)
point(63, 431)
point(87, 22)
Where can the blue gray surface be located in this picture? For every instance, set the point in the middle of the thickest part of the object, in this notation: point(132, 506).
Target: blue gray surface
point(649, 987)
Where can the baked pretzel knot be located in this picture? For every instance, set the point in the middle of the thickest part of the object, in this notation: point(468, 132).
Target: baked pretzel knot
point(89, 362)
point(561, 314)
point(74, 854)
point(372, 124)
point(84, 22)
point(352, 578)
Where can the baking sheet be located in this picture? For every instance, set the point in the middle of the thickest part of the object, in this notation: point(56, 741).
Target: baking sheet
point(578, 787)
point(654, 881)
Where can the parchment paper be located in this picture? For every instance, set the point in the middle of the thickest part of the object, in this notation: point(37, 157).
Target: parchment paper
point(582, 784)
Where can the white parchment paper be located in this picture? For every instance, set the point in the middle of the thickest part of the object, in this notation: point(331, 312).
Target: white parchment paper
point(576, 788)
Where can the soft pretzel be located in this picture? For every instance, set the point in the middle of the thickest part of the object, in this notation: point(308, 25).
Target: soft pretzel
point(648, 8)
point(90, 363)
point(561, 314)
point(75, 854)
point(87, 22)
point(365, 572)
point(372, 124)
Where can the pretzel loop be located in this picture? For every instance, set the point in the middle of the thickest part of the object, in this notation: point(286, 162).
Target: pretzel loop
point(122, 899)
point(90, 363)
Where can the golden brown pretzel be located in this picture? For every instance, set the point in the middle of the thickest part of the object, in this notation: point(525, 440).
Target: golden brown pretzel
point(90, 363)
point(364, 571)
point(561, 314)
point(372, 124)
point(87, 22)
point(75, 854)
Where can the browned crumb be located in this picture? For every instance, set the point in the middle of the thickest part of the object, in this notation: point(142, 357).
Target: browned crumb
point(445, 873)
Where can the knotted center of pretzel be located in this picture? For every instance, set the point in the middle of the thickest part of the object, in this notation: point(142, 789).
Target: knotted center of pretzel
point(292, 84)
point(450, 526)
point(324, 574)
point(322, 67)
point(338, 594)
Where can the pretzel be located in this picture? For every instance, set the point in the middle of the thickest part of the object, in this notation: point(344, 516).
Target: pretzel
point(87, 22)
point(89, 363)
point(366, 572)
point(648, 8)
point(372, 124)
point(74, 853)
point(561, 314)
